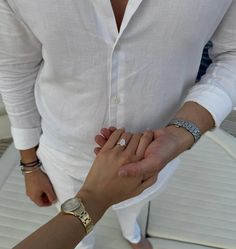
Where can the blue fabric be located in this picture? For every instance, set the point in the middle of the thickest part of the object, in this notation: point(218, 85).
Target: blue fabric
point(205, 62)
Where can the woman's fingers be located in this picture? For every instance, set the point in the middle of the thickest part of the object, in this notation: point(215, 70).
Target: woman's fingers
point(123, 141)
point(112, 141)
point(145, 140)
point(133, 144)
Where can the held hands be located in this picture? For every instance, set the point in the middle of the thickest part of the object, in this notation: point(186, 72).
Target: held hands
point(166, 145)
point(103, 183)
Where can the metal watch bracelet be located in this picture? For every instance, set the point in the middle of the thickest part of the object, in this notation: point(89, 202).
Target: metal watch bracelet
point(187, 125)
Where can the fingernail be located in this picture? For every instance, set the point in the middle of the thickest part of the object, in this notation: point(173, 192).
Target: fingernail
point(122, 173)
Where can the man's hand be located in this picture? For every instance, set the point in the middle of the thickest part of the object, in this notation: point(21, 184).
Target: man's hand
point(102, 138)
point(167, 144)
point(39, 189)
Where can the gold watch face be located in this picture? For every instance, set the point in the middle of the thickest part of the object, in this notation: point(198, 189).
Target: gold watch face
point(71, 205)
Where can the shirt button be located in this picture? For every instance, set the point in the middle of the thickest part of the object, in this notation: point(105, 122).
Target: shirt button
point(115, 100)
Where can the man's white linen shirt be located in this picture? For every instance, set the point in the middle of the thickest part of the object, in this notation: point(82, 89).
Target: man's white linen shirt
point(66, 71)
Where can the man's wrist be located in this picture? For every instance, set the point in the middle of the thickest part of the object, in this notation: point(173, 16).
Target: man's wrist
point(184, 139)
point(29, 155)
point(195, 113)
point(188, 126)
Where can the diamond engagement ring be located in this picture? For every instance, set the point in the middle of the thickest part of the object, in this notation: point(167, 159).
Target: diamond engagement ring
point(122, 142)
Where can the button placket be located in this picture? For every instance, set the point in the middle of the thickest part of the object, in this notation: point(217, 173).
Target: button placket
point(114, 71)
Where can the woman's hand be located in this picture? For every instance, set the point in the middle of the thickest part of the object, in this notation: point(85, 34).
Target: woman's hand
point(110, 188)
point(167, 144)
point(146, 139)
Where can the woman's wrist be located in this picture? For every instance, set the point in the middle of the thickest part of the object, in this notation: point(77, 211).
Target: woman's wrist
point(94, 205)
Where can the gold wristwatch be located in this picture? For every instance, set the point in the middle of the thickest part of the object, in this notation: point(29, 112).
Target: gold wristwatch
point(74, 206)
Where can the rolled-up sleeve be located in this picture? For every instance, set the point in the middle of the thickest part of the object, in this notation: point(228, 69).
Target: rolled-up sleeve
point(20, 60)
point(217, 89)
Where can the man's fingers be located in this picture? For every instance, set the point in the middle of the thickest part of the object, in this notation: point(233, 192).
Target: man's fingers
point(112, 128)
point(46, 201)
point(107, 132)
point(148, 183)
point(146, 168)
point(100, 140)
point(129, 170)
point(96, 150)
point(145, 140)
point(51, 195)
point(38, 200)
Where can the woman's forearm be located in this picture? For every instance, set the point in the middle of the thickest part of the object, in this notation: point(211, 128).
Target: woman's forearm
point(64, 231)
point(101, 189)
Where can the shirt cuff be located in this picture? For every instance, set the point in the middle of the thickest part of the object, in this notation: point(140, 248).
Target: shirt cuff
point(25, 138)
point(212, 98)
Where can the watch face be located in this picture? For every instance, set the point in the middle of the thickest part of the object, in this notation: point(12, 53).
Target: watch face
point(71, 205)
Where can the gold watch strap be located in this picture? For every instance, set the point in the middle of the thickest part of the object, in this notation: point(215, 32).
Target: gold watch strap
point(86, 220)
point(84, 217)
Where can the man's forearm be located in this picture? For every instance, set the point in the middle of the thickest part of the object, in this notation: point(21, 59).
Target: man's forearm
point(195, 113)
point(28, 155)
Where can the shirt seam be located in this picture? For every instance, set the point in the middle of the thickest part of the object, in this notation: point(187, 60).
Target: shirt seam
point(13, 6)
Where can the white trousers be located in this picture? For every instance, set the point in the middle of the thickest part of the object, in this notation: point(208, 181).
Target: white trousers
point(67, 186)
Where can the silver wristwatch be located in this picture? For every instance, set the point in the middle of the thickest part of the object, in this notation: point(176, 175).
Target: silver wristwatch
point(74, 206)
point(187, 125)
